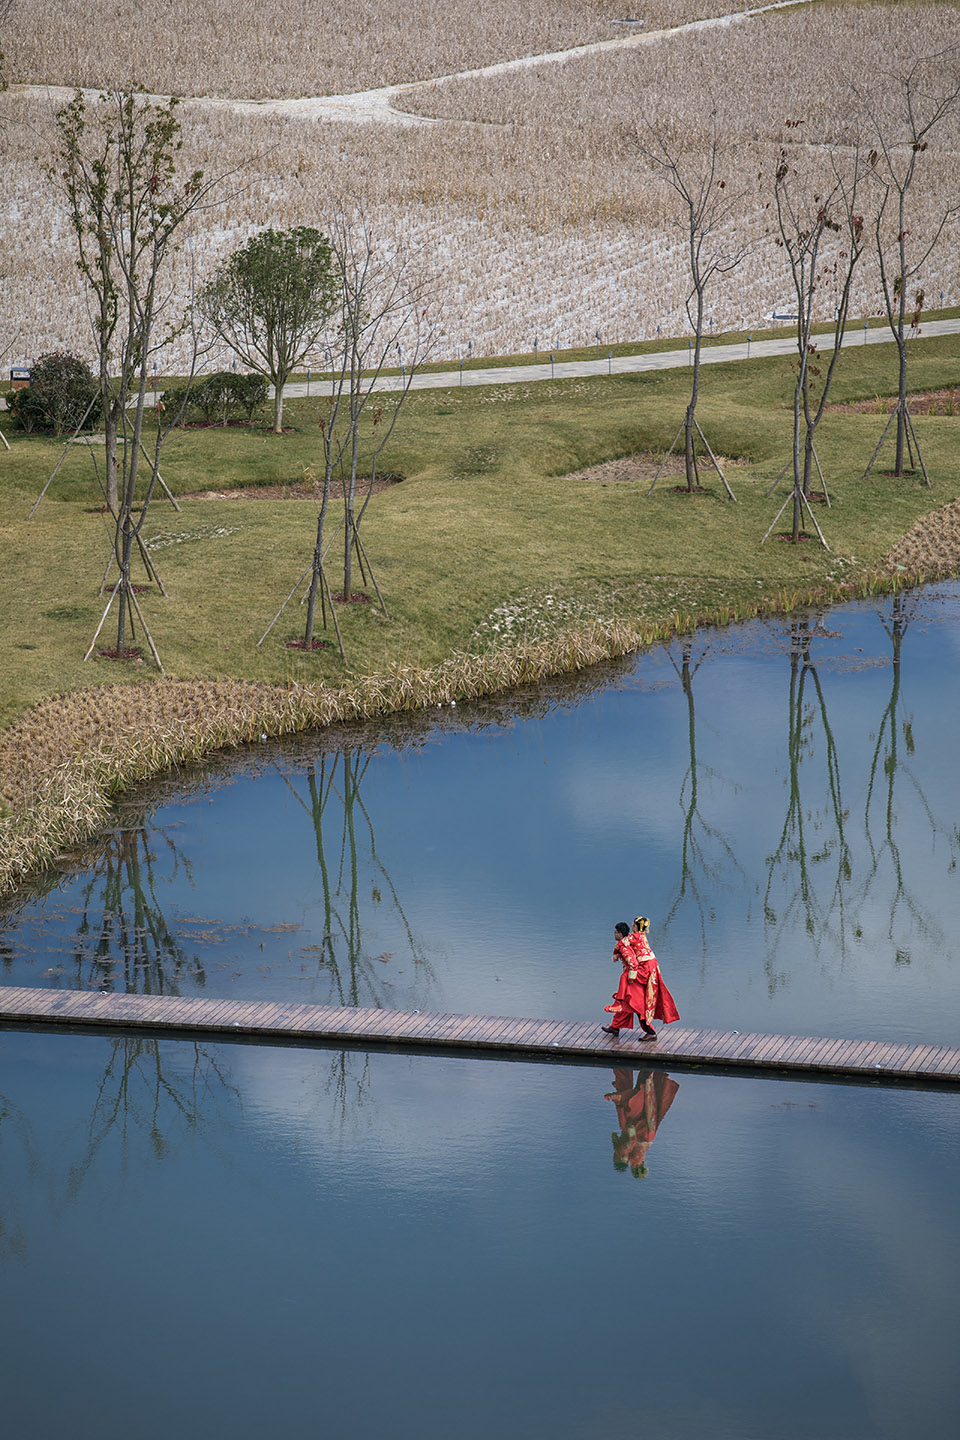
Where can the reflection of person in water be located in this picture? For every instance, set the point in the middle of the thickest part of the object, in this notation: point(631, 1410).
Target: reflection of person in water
point(640, 1110)
point(641, 991)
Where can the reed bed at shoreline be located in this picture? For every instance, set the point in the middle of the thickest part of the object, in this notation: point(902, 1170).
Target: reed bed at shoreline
point(528, 207)
point(58, 793)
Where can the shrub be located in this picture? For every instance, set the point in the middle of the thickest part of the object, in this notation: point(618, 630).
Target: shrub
point(61, 389)
point(222, 396)
point(249, 392)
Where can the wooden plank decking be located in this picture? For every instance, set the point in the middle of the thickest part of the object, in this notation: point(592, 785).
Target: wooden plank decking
point(810, 1056)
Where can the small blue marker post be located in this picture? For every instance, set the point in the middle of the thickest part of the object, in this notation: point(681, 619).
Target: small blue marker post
point(749, 338)
point(308, 384)
point(551, 364)
point(610, 363)
point(866, 326)
point(597, 336)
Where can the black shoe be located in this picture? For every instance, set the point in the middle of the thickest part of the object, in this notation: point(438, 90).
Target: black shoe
point(611, 1029)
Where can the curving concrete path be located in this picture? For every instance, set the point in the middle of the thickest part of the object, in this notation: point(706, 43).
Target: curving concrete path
point(712, 354)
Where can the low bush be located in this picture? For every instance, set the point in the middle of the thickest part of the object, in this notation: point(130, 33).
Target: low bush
point(63, 394)
point(222, 397)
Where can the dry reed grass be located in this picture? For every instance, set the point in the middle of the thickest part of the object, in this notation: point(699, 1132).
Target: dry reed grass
point(538, 223)
point(68, 758)
point(243, 48)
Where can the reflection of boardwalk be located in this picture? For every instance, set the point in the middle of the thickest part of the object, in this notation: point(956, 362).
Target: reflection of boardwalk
point(350, 1026)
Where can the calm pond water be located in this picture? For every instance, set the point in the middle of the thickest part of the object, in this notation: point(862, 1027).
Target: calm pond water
point(249, 1240)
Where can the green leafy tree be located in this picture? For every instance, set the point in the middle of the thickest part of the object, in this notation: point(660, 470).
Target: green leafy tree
point(271, 301)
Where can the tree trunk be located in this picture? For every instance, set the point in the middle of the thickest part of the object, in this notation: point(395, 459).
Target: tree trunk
point(901, 411)
point(278, 408)
point(689, 453)
point(808, 462)
point(126, 548)
point(314, 583)
point(348, 553)
point(111, 425)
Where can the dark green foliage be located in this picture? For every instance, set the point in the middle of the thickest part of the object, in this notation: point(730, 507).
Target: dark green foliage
point(218, 398)
point(61, 389)
point(271, 300)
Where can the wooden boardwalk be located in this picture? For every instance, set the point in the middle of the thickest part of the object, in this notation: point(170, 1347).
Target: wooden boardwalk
point(479, 1035)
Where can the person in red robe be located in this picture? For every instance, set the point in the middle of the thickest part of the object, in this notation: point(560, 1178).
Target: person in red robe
point(640, 1111)
point(641, 991)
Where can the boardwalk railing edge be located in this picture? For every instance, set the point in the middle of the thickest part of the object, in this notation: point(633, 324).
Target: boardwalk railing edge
point(815, 1057)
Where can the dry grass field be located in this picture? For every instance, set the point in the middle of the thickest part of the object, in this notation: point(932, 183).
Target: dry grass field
point(523, 192)
point(243, 48)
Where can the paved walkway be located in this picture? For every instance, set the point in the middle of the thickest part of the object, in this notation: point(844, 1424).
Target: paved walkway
point(712, 354)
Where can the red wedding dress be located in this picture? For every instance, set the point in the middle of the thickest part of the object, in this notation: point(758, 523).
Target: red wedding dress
point(646, 995)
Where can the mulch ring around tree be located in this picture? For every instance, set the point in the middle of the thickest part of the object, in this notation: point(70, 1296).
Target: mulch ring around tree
point(129, 652)
point(644, 465)
point(313, 645)
point(924, 402)
point(298, 490)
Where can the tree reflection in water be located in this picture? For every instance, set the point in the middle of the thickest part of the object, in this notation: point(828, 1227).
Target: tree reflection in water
point(143, 1104)
point(811, 864)
point(123, 940)
point(347, 857)
point(17, 1155)
point(641, 1107)
point(705, 852)
point(346, 847)
point(888, 761)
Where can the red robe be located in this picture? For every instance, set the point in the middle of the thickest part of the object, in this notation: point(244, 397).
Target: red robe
point(645, 995)
point(640, 1110)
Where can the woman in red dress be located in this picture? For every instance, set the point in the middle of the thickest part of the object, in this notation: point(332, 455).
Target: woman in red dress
point(641, 991)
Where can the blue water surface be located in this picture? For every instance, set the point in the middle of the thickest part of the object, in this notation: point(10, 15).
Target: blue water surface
point(213, 1239)
point(241, 1241)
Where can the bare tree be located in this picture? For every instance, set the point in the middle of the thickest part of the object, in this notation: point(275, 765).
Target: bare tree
point(126, 201)
point(706, 207)
point(918, 100)
point(821, 233)
point(382, 323)
point(383, 318)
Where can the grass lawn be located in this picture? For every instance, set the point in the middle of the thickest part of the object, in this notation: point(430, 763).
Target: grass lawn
point(485, 517)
